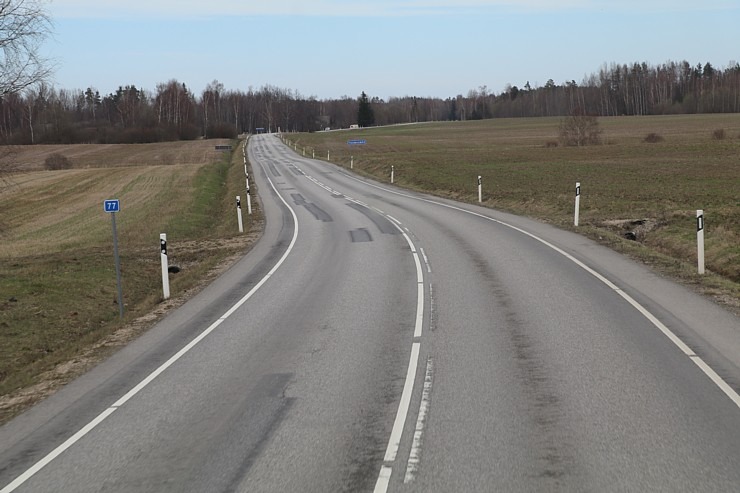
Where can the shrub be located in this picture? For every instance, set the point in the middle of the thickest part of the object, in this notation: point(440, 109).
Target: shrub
point(653, 138)
point(57, 161)
point(579, 129)
point(719, 134)
point(551, 143)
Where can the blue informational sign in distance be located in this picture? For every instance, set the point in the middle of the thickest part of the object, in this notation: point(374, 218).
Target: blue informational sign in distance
point(112, 205)
point(357, 142)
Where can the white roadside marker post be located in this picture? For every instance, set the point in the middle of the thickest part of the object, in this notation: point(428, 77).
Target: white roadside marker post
point(327, 155)
point(351, 162)
point(165, 272)
point(578, 204)
point(700, 239)
point(249, 199)
point(393, 172)
point(480, 189)
point(313, 153)
point(239, 213)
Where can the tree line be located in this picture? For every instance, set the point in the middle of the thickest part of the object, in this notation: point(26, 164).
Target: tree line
point(637, 89)
point(41, 113)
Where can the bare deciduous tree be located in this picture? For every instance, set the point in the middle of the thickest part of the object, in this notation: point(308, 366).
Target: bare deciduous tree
point(24, 25)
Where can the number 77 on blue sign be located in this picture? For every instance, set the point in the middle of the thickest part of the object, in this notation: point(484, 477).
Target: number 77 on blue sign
point(112, 205)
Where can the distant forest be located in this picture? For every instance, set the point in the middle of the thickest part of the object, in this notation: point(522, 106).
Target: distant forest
point(45, 115)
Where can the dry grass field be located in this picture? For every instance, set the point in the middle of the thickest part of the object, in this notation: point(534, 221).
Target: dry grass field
point(83, 156)
point(57, 274)
point(630, 187)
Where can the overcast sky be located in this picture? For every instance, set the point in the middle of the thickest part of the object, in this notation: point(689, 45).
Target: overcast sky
point(331, 48)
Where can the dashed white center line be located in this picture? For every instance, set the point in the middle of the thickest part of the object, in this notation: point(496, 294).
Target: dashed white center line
point(412, 466)
point(426, 260)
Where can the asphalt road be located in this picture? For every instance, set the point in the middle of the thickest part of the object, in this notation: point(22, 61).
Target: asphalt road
point(377, 339)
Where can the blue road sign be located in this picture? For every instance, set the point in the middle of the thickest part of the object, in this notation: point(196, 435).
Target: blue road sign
point(357, 142)
point(112, 205)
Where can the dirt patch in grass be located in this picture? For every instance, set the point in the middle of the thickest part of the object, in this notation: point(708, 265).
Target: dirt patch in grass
point(632, 229)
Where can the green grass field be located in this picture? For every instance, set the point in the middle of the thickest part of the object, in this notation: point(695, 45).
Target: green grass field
point(57, 273)
point(625, 181)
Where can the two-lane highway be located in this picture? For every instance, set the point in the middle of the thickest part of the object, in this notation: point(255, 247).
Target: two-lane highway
point(545, 369)
point(381, 339)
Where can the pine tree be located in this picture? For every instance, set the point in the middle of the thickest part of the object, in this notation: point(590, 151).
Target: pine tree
point(365, 115)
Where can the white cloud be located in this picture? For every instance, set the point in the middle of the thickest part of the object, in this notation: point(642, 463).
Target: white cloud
point(197, 8)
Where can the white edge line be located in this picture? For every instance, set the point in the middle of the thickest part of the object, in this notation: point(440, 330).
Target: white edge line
point(419, 310)
point(384, 479)
point(403, 407)
point(393, 219)
point(716, 379)
point(411, 245)
point(665, 330)
point(102, 416)
point(57, 451)
point(419, 274)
